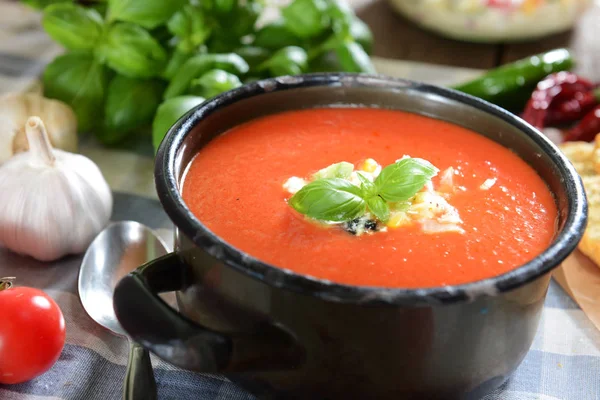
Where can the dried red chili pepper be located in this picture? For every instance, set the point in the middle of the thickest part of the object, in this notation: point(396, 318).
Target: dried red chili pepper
point(560, 86)
point(573, 109)
point(587, 129)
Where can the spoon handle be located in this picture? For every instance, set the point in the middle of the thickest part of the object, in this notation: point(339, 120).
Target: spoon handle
point(139, 379)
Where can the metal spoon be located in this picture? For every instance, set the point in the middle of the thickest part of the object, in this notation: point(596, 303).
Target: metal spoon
point(120, 248)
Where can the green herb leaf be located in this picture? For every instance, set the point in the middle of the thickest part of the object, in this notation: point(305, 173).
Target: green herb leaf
point(339, 170)
point(198, 65)
point(130, 105)
point(79, 81)
point(341, 15)
point(290, 60)
point(360, 32)
point(176, 60)
point(379, 208)
point(132, 51)
point(168, 113)
point(146, 13)
point(353, 58)
point(253, 55)
point(334, 199)
point(76, 28)
point(368, 188)
point(191, 26)
point(402, 180)
point(275, 36)
point(214, 82)
point(41, 4)
point(245, 15)
point(306, 18)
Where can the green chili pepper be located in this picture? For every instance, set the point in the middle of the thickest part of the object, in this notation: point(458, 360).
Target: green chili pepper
point(197, 66)
point(306, 18)
point(168, 113)
point(510, 85)
point(275, 35)
point(353, 58)
point(291, 60)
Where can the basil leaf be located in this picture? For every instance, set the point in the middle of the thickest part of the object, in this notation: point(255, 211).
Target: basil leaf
point(339, 170)
point(368, 188)
point(75, 27)
point(130, 105)
point(79, 81)
point(176, 59)
point(168, 113)
point(198, 65)
point(341, 15)
point(306, 18)
point(245, 15)
point(361, 33)
point(353, 58)
point(290, 60)
point(146, 13)
point(191, 26)
point(132, 51)
point(402, 180)
point(379, 208)
point(41, 4)
point(253, 55)
point(275, 35)
point(334, 199)
point(214, 82)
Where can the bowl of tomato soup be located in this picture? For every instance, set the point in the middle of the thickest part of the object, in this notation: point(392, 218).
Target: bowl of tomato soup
point(345, 236)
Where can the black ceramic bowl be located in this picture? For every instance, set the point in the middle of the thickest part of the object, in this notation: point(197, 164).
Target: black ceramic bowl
point(283, 335)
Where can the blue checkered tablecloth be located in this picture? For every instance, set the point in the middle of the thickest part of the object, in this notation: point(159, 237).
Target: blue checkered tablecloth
point(563, 363)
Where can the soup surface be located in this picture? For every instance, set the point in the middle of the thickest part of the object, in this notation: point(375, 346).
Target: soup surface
point(234, 186)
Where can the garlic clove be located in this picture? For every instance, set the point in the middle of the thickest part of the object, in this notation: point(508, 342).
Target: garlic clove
point(52, 202)
point(15, 108)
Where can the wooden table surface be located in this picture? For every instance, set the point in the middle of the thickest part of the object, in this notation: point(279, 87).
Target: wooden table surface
point(398, 38)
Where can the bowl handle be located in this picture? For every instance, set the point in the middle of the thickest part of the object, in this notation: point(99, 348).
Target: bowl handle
point(151, 322)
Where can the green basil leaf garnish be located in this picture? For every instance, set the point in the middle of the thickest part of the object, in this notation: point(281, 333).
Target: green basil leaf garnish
point(379, 208)
point(368, 188)
point(402, 180)
point(334, 199)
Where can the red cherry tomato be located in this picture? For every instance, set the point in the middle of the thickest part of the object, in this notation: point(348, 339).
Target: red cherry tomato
point(32, 334)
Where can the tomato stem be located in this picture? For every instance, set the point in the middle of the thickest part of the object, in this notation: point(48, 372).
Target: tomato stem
point(6, 282)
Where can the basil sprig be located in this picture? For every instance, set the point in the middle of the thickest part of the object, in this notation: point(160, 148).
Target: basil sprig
point(339, 200)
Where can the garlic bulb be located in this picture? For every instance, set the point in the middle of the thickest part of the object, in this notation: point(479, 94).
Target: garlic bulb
point(52, 202)
point(14, 111)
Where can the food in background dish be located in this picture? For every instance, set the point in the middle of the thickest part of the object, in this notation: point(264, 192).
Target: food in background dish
point(241, 183)
point(586, 159)
point(493, 20)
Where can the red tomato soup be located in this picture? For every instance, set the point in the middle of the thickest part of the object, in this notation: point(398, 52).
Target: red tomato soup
point(234, 186)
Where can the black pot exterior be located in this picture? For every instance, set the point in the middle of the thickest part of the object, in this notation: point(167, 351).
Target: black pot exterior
point(353, 351)
point(343, 342)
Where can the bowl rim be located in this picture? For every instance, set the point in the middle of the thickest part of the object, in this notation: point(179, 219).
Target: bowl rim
point(167, 188)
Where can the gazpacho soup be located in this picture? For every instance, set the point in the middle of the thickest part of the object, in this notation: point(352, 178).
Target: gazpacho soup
point(371, 197)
